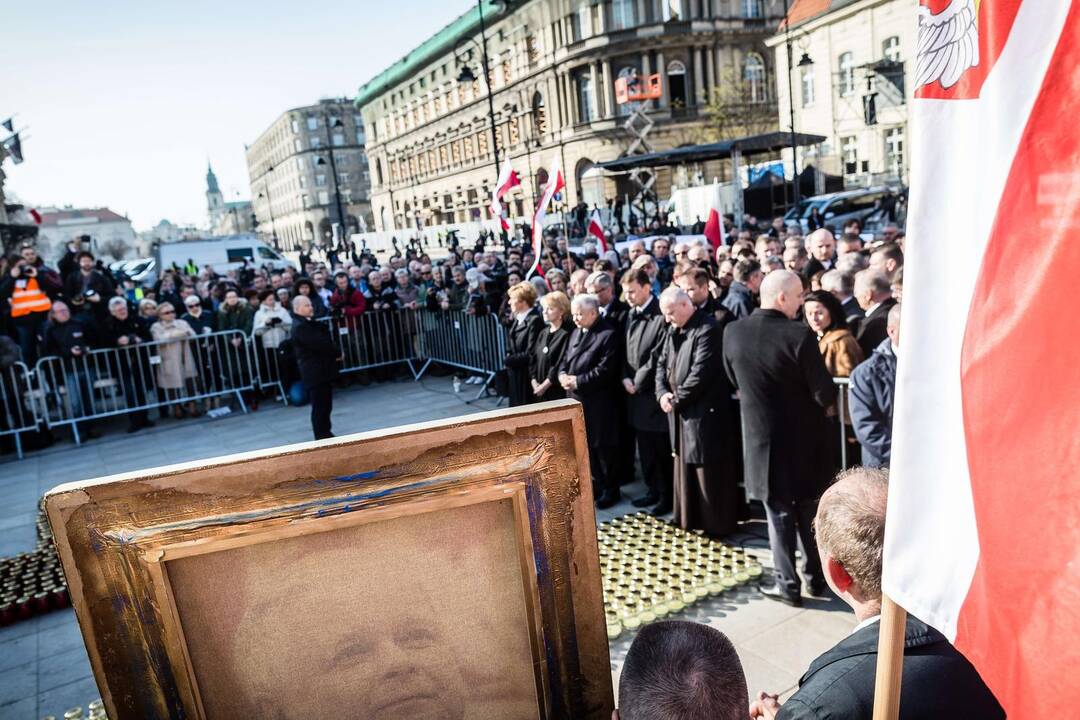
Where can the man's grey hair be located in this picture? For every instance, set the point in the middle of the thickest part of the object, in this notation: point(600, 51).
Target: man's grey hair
point(674, 295)
point(835, 281)
point(677, 670)
point(300, 300)
point(875, 281)
point(852, 263)
point(850, 525)
point(599, 280)
point(117, 302)
point(893, 319)
point(586, 300)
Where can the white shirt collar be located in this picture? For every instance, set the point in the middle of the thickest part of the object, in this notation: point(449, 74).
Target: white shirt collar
point(520, 317)
point(645, 307)
point(866, 623)
point(872, 308)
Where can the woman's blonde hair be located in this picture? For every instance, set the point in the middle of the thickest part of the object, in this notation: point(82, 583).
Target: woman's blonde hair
point(165, 306)
point(558, 300)
point(523, 291)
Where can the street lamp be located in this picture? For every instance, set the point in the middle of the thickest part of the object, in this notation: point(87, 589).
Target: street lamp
point(270, 207)
point(333, 167)
point(804, 61)
point(466, 76)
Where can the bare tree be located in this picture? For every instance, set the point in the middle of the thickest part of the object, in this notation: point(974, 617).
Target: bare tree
point(116, 249)
point(731, 111)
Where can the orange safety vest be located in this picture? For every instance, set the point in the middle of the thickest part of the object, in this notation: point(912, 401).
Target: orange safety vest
point(29, 298)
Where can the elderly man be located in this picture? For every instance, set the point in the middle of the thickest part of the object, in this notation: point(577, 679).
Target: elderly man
point(602, 286)
point(636, 249)
point(822, 248)
point(873, 291)
point(742, 294)
point(784, 387)
point(842, 287)
point(317, 355)
point(589, 373)
point(645, 334)
point(873, 386)
point(693, 391)
point(937, 681)
point(126, 331)
point(677, 670)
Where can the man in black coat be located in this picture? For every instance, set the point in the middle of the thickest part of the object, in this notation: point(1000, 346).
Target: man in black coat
point(602, 285)
point(784, 388)
point(317, 355)
point(590, 374)
point(742, 294)
point(126, 331)
point(92, 284)
point(645, 334)
point(873, 291)
point(692, 389)
point(822, 247)
point(937, 681)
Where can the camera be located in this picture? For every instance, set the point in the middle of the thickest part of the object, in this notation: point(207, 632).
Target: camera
point(26, 271)
point(274, 321)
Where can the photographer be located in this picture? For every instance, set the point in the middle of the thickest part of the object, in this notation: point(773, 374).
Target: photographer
point(91, 284)
point(26, 294)
point(70, 341)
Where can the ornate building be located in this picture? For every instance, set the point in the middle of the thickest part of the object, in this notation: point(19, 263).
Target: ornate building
point(307, 171)
point(225, 218)
point(553, 68)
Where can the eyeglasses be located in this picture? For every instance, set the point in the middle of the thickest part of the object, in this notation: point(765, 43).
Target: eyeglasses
point(167, 312)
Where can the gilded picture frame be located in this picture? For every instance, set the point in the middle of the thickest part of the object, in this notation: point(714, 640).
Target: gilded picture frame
point(464, 550)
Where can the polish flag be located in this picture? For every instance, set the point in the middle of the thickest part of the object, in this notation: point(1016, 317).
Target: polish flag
point(983, 532)
point(596, 229)
point(507, 179)
point(555, 183)
point(714, 224)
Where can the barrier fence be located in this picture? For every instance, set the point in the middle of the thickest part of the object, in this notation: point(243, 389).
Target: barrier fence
point(469, 342)
point(16, 406)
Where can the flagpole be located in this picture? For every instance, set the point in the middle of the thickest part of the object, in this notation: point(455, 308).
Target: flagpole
point(890, 660)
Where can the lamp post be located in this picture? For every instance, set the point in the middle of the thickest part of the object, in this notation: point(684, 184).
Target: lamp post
point(466, 76)
point(333, 168)
point(804, 61)
point(270, 208)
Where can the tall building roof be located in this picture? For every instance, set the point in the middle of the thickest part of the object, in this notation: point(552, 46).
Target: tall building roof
point(211, 180)
point(76, 216)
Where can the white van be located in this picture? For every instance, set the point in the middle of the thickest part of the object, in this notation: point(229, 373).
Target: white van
point(221, 253)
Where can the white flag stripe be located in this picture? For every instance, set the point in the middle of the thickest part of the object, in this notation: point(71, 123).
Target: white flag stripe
point(931, 549)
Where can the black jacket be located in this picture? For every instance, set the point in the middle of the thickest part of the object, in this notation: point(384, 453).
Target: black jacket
point(740, 301)
point(316, 352)
point(547, 355)
point(97, 282)
point(520, 341)
point(853, 314)
point(938, 682)
point(784, 387)
point(61, 338)
point(872, 328)
point(690, 365)
point(617, 313)
point(645, 335)
point(815, 266)
point(593, 357)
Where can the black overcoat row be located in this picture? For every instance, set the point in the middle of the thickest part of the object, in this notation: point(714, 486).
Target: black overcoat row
point(690, 365)
point(784, 389)
point(594, 357)
point(873, 328)
point(547, 355)
point(316, 352)
point(646, 331)
point(520, 341)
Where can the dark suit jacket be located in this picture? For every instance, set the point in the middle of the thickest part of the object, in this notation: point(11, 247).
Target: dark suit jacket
point(815, 266)
point(547, 356)
point(645, 333)
point(784, 388)
point(701, 420)
point(938, 682)
point(853, 314)
point(617, 312)
point(316, 352)
point(871, 330)
point(739, 300)
point(593, 357)
point(520, 341)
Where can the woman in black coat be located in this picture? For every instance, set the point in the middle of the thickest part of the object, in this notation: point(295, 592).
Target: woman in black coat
point(547, 353)
point(525, 326)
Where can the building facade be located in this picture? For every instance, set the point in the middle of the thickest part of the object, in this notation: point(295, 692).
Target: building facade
point(553, 71)
point(226, 218)
point(308, 161)
point(111, 234)
point(852, 82)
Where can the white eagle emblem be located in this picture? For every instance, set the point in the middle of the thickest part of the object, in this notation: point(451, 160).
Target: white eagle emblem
point(948, 43)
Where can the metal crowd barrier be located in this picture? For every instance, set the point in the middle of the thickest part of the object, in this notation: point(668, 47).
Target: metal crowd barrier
point(136, 378)
point(17, 407)
point(377, 339)
point(843, 385)
point(471, 342)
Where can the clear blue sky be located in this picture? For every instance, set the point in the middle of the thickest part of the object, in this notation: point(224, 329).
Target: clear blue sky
point(125, 101)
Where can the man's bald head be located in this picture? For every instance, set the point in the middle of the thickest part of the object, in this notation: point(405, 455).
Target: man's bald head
point(676, 305)
point(781, 290)
point(822, 244)
point(850, 527)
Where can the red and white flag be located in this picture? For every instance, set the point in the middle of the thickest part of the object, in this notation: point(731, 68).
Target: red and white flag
point(508, 179)
point(983, 532)
point(714, 224)
point(554, 184)
point(596, 229)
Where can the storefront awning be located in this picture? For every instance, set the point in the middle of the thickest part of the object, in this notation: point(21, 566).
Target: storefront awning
point(747, 146)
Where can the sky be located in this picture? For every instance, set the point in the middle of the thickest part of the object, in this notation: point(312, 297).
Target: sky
point(124, 102)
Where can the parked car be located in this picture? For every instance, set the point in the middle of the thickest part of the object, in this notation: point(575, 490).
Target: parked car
point(839, 207)
point(221, 253)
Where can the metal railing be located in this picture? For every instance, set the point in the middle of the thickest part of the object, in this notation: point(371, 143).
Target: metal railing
point(136, 378)
point(377, 339)
point(17, 413)
point(843, 386)
point(475, 343)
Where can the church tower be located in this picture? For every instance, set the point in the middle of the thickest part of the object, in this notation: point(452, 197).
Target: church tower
point(215, 201)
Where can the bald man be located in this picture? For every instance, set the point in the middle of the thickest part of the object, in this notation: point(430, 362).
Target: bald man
point(783, 384)
point(822, 247)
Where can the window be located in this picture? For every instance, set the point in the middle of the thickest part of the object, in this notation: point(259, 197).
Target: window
point(313, 123)
point(295, 126)
point(849, 147)
point(358, 121)
point(315, 160)
point(585, 97)
point(324, 197)
point(622, 14)
point(531, 50)
point(303, 181)
point(305, 201)
point(360, 139)
point(315, 141)
point(753, 8)
point(894, 150)
point(890, 49)
point(807, 77)
point(581, 22)
point(238, 254)
point(847, 74)
point(268, 254)
point(297, 145)
point(338, 138)
point(320, 179)
point(754, 77)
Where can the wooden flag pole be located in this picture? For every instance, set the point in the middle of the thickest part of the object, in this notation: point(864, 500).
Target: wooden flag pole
point(890, 662)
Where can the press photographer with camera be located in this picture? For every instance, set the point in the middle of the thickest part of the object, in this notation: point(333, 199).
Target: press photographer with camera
point(92, 284)
point(26, 295)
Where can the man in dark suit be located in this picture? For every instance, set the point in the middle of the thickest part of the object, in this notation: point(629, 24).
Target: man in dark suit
point(842, 287)
point(645, 333)
point(822, 246)
point(873, 291)
point(317, 356)
point(590, 374)
point(602, 285)
point(693, 391)
point(784, 387)
point(742, 293)
point(937, 681)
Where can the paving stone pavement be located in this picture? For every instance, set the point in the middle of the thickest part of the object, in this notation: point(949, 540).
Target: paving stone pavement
point(43, 665)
